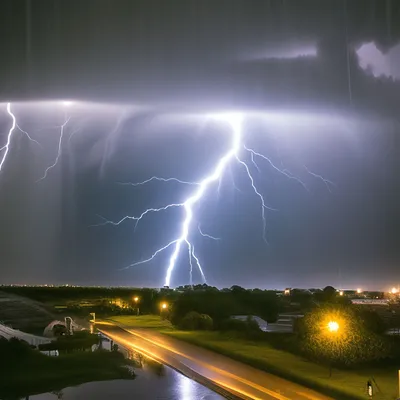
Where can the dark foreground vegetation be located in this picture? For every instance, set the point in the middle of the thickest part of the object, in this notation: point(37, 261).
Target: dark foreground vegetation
point(25, 371)
point(338, 362)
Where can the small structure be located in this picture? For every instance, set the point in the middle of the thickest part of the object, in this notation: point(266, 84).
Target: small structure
point(67, 327)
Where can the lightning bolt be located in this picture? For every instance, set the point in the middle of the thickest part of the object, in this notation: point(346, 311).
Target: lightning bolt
point(281, 171)
point(206, 234)
point(28, 135)
point(327, 182)
point(60, 140)
point(157, 178)
point(202, 186)
point(6, 147)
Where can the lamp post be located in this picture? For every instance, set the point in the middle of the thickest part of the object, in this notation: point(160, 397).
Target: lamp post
point(164, 308)
point(333, 328)
point(136, 300)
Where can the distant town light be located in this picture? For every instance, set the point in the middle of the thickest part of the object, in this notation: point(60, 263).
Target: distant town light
point(359, 291)
point(341, 293)
point(393, 290)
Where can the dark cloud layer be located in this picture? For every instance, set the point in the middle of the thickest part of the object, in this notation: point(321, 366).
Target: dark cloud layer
point(178, 56)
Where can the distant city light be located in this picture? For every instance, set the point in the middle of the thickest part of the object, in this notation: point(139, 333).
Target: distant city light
point(394, 290)
point(359, 291)
point(341, 293)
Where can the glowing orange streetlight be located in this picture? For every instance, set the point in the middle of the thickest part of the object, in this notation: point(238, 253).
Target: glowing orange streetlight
point(333, 326)
point(164, 306)
point(136, 300)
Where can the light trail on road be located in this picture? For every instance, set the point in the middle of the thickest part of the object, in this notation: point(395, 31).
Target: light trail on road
point(239, 379)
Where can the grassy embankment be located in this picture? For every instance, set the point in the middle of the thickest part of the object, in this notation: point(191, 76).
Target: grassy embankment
point(34, 373)
point(344, 384)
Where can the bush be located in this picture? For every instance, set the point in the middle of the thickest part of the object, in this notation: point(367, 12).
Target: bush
point(194, 321)
point(206, 322)
point(233, 324)
point(351, 344)
point(372, 321)
point(78, 342)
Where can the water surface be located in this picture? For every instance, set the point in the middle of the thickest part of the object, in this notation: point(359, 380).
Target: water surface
point(169, 385)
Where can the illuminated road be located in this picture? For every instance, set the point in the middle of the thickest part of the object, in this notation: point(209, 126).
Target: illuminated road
point(237, 378)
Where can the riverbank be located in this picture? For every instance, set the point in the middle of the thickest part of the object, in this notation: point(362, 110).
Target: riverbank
point(27, 371)
point(344, 384)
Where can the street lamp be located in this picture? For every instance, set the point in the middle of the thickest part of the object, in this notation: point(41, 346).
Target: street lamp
point(163, 309)
point(136, 300)
point(333, 326)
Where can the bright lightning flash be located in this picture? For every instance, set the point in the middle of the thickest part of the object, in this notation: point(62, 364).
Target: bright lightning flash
point(14, 125)
point(232, 154)
point(60, 141)
point(6, 147)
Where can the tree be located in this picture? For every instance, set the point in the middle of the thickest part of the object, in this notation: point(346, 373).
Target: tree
point(372, 321)
point(194, 321)
point(206, 322)
point(336, 335)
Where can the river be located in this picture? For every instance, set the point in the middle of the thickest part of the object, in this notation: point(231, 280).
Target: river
point(153, 382)
point(171, 385)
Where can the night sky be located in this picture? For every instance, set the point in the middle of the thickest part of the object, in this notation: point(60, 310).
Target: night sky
point(318, 84)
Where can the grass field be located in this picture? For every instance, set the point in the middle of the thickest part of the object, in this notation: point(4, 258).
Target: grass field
point(144, 321)
point(39, 373)
point(24, 314)
point(344, 384)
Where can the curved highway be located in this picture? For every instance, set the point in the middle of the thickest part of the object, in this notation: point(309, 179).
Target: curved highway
point(239, 379)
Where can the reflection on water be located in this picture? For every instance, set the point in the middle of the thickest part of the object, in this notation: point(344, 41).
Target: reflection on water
point(147, 386)
point(154, 382)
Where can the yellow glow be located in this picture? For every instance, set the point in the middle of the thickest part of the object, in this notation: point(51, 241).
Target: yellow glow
point(164, 306)
point(333, 326)
point(225, 374)
point(136, 299)
point(394, 290)
point(359, 291)
point(341, 293)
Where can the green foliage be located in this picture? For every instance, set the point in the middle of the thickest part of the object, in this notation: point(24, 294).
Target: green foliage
point(194, 321)
point(232, 324)
point(28, 372)
point(220, 305)
point(206, 322)
point(80, 341)
point(13, 349)
point(371, 320)
point(351, 344)
point(248, 329)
